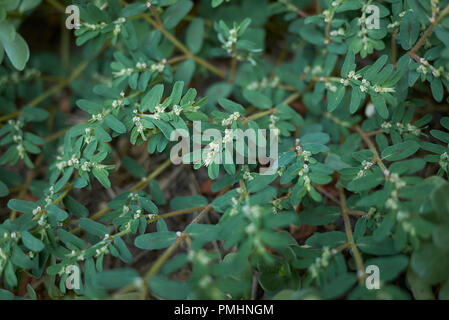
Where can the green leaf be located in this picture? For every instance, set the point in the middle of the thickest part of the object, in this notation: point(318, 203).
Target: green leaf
point(174, 14)
point(102, 177)
point(389, 267)
point(216, 3)
point(349, 64)
point(319, 215)
point(441, 237)
point(156, 193)
point(34, 114)
point(380, 105)
point(133, 167)
point(356, 98)
point(400, 151)
point(152, 98)
point(17, 51)
point(431, 263)
point(115, 124)
point(335, 98)
point(275, 240)
point(31, 292)
point(116, 279)
point(339, 285)
point(258, 99)
point(187, 202)
point(440, 202)
point(155, 240)
point(92, 227)
point(4, 191)
point(165, 127)
point(75, 207)
point(148, 205)
point(20, 259)
point(437, 89)
point(31, 242)
point(133, 9)
point(194, 35)
point(169, 289)
point(409, 31)
point(57, 213)
point(21, 205)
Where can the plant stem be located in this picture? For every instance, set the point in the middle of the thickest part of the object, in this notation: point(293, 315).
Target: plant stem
point(428, 32)
point(376, 157)
point(355, 250)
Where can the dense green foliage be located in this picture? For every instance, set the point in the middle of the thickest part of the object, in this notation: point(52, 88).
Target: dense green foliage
point(363, 150)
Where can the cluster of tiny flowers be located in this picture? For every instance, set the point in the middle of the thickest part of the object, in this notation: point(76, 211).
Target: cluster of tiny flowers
point(362, 22)
point(118, 25)
point(3, 259)
point(277, 206)
point(366, 166)
point(137, 122)
point(264, 83)
point(401, 128)
point(435, 4)
point(303, 172)
point(408, 128)
point(228, 121)
point(199, 256)
point(322, 262)
point(16, 77)
point(211, 151)
point(159, 67)
point(177, 109)
point(365, 85)
point(99, 26)
point(252, 212)
point(398, 182)
point(125, 210)
point(103, 249)
point(93, 26)
point(273, 120)
point(236, 202)
point(329, 14)
point(444, 161)
point(393, 201)
point(403, 217)
point(140, 67)
point(232, 39)
point(339, 32)
point(302, 153)
point(18, 136)
point(158, 111)
point(247, 175)
point(330, 86)
point(425, 67)
point(316, 70)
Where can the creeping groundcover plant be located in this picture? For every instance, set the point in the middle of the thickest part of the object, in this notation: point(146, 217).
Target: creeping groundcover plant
point(238, 149)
